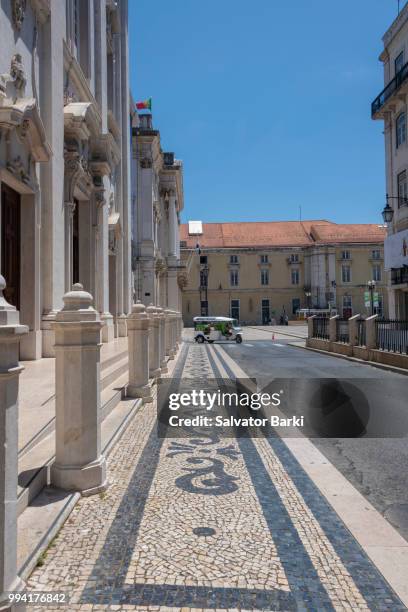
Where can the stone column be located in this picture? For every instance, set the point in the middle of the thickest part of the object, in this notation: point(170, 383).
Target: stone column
point(168, 335)
point(10, 333)
point(102, 267)
point(353, 330)
point(371, 332)
point(138, 333)
point(175, 331)
point(333, 328)
point(172, 226)
point(69, 215)
point(79, 464)
point(154, 342)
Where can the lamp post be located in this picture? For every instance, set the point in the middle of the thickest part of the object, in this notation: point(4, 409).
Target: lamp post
point(371, 289)
point(308, 295)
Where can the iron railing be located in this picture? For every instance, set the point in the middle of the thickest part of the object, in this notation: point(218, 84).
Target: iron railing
point(389, 90)
point(342, 331)
point(361, 332)
point(392, 335)
point(321, 328)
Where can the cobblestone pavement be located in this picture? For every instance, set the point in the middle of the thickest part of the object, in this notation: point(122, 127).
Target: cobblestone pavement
point(208, 524)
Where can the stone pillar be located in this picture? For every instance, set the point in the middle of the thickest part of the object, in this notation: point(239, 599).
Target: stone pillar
point(10, 333)
point(175, 331)
point(333, 328)
point(102, 265)
point(371, 332)
point(162, 330)
point(122, 325)
point(353, 330)
point(310, 326)
point(172, 225)
point(79, 464)
point(168, 335)
point(154, 342)
point(69, 215)
point(138, 333)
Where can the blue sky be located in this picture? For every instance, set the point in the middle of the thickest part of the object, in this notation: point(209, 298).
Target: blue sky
point(267, 103)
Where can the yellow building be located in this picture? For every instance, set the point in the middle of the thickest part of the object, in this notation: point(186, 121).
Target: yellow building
point(257, 272)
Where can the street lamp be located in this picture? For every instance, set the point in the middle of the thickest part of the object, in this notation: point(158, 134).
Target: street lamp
point(388, 212)
point(371, 288)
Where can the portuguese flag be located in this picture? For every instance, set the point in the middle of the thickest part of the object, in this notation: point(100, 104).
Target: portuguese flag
point(145, 104)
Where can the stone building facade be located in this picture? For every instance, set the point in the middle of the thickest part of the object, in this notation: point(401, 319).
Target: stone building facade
point(158, 199)
point(64, 161)
point(391, 107)
point(256, 272)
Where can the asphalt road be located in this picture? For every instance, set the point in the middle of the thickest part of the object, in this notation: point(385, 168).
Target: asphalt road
point(377, 467)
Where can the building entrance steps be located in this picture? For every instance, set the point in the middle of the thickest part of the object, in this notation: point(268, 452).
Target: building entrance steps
point(37, 414)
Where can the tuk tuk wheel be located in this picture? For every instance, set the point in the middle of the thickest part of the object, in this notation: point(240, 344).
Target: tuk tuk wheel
point(200, 339)
point(238, 339)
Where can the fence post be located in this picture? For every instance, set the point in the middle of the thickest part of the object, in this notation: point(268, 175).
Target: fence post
point(371, 335)
point(169, 334)
point(333, 328)
point(162, 330)
point(310, 326)
point(154, 342)
point(138, 333)
point(353, 329)
point(10, 370)
point(79, 464)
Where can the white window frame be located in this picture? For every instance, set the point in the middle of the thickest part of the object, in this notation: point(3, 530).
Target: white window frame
point(376, 254)
point(343, 268)
point(234, 278)
point(377, 273)
point(346, 255)
point(264, 277)
point(264, 259)
point(294, 257)
point(295, 276)
point(402, 188)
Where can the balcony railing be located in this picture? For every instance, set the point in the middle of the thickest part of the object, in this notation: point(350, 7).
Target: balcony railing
point(389, 90)
point(392, 335)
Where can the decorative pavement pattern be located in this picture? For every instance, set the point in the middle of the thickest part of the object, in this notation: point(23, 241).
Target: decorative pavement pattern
point(208, 523)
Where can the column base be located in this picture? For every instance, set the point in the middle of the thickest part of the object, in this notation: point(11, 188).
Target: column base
point(88, 479)
point(17, 587)
point(122, 326)
point(163, 367)
point(108, 330)
point(48, 334)
point(144, 392)
point(31, 346)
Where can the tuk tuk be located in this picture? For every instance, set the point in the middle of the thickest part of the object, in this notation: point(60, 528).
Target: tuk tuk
point(211, 329)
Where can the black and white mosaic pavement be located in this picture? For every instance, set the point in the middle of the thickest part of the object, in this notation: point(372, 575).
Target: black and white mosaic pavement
point(208, 524)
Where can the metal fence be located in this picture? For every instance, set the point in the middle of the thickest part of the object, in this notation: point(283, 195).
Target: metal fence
point(392, 335)
point(321, 328)
point(361, 332)
point(342, 331)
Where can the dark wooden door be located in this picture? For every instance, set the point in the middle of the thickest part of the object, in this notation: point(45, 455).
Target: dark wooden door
point(10, 243)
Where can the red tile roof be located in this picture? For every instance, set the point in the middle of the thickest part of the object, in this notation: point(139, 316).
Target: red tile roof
point(281, 234)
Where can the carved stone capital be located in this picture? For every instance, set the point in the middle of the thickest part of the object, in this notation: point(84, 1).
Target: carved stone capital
point(100, 199)
point(146, 162)
point(18, 10)
point(70, 207)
